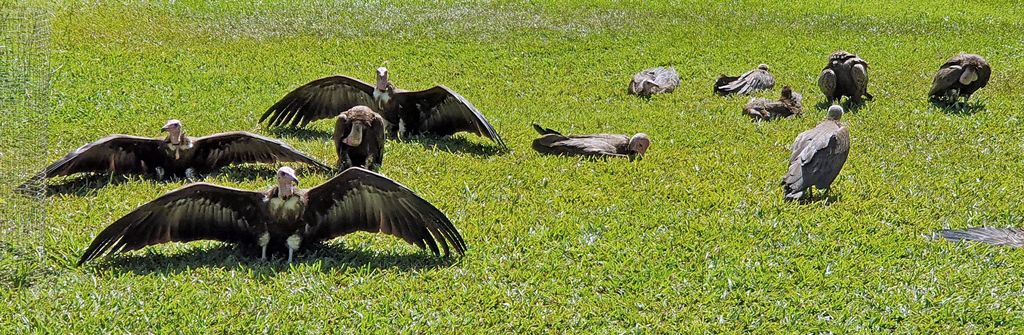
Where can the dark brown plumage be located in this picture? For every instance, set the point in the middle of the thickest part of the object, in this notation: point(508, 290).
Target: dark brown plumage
point(1012, 237)
point(174, 155)
point(758, 79)
point(788, 105)
point(284, 217)
point(359, 139)
point(959, 77)
point(818, 156)
point(653, 81)
point(600, 145)
point(845, 75)
point(437, 111)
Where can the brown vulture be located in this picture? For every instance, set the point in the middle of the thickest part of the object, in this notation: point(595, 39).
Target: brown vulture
point(654, 81)
point(600, 145)
point(359, 138)
point(758, 79)
point(1013, 237)
point(761, 109)
point(961, 76)
point(845, 75)
point(282, 218)
point(174, 155)
point(437, 111)
point(818, 156)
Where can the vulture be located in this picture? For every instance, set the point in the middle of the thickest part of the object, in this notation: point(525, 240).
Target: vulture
point(359, 138)
point(284, 217)
point(437, 111)
point(845, 75)
point(761, 109)
point(754, 80)
point(600, 145)
point(1013, 237)
point(818, 156)
point(654, 81)
point(962, 75)
point(174, 155)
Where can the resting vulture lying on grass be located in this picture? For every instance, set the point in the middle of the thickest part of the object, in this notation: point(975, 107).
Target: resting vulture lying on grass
point(818, 156)
point(174, 155)
point(437, 111)
point(754, 80)
point(600, 145)
point(961, 76)
point(845, 75)
point(761, 109)
point(654, 81)
point(284, 217)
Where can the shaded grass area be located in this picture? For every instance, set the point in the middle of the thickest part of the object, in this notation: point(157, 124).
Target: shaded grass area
point(694, 238)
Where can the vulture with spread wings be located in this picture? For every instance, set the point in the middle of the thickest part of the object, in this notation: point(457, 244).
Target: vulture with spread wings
point(284, 217)
point(437, 111)
point(758, 79)
point(174, 155)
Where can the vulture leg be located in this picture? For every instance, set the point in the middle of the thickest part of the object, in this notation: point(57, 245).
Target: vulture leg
point(190, 174)
point(372, 163)
point(293, 242)
point(159, 173)
point(264, 240)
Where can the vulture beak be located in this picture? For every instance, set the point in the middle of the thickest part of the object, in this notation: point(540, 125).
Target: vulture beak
point(170, 124)
point(639, 144)
point(355, 136)
point(382, 78)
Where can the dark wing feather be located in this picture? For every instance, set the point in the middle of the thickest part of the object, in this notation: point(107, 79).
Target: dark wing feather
point(544, 131)
point(123, 153)
point(444, 112)
point(320, 99)
point(945, 78)
point(219, 150)
point(587, 146)
point(1013, 237)
point(360, 200)
point(195, 212)
point(749, 82)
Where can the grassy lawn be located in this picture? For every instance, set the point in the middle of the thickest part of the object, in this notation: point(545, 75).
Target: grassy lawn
point(695, 238)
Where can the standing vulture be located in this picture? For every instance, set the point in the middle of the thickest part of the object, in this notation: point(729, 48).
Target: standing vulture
point(654, 81)
point(284, 217)
point(1013, 237)
point(600, 145)
point(960, 76)
point(437, 111)
point(359, 138)
point(176, 154)
point(845, 75)
point(754, 80)
point(761, 109)
point(818, 156)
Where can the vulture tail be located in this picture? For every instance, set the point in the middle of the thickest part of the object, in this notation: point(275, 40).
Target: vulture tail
point(544, 131)
point(1013, 237)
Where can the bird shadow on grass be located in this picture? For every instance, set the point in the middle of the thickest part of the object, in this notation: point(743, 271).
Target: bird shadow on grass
point(822, 198)
point(326, 258)
point(458, 145)
point(301, 133)
point(78, 186)
point(957, 108)
point(848, 106)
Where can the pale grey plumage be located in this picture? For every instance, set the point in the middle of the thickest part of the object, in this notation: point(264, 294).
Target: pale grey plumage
point(758, 79)
point(817, 157)
point(654, 81)
point(1012, 237)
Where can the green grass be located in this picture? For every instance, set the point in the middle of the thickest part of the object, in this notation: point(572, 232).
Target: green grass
point(693, 239)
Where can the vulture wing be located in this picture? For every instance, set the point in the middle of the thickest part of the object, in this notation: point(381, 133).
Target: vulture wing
point(444, 112)
point(947, 76)
point(195, 212)
point(1013, 237)
point(818, 156)
point(859, 72)
point(320, 99)
point(114, 154)
point(576, 146)
point(219, 150)
point(361, 200)
point(827, 83)
point(750, 82)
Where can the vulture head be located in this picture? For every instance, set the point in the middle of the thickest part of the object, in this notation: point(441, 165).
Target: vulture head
point(969, 76)
point(355, 135)
point(382, 78)
point(173, 128)
point(286, 181)
point(639, 144)
point(763, 67)
point(835, 113)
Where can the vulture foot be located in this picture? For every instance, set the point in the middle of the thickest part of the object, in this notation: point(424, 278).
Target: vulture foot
point(293, 242)
point(159, 173)
point(264, 240)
